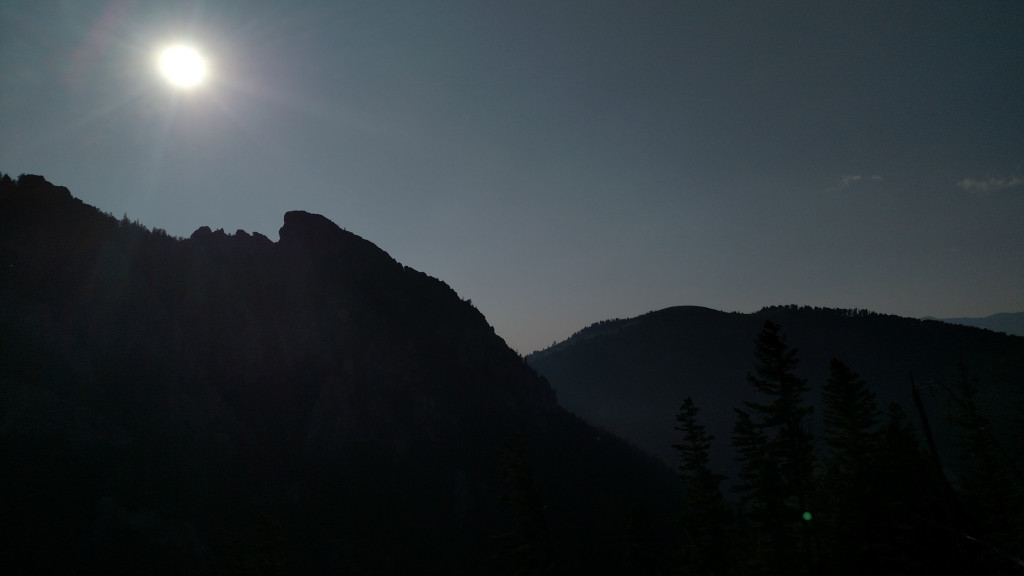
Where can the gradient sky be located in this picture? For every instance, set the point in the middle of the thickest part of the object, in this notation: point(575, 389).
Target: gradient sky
point(556, 162)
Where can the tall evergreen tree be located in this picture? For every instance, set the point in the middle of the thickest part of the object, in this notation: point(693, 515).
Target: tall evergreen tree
point(694, 459)
point(760, 492)
point(783, 474)
point(704, 517)
point(845, 497)
point(758, 475)
point(851, 416)
point(785, 416)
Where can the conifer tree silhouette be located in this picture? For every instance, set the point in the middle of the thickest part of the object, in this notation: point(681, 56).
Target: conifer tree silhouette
point(776, 451)
point(704, 517)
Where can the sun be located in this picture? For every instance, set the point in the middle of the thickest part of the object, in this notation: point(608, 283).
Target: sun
point(183, 66)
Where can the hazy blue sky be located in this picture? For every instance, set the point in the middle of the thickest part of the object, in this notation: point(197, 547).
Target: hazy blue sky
point(561, 163)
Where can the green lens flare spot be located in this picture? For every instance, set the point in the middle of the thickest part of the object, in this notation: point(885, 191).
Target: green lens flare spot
point(807, 516)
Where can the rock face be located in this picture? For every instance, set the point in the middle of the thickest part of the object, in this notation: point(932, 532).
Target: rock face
point(228, 403)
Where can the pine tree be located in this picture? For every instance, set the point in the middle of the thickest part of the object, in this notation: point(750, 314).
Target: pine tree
point(704, 517)
point(784, 417)
point(777, 454)
point(844, 496)
point(851, 416)
point(762, 547)
point(758, 476)
point(694, 459)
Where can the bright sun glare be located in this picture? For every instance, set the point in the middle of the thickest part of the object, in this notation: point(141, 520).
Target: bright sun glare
point(182, 66)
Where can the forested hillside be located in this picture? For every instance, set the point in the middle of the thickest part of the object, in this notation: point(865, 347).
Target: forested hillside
point(815, 440)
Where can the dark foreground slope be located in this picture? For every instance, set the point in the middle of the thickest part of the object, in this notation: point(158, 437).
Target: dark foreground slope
point(225, 403)
point(630, 376)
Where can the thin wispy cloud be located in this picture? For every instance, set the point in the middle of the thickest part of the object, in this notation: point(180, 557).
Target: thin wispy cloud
point(988, 185)
point(851, 179)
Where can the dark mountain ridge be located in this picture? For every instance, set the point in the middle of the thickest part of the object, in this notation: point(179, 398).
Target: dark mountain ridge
point(225, 403)
point(630, 375)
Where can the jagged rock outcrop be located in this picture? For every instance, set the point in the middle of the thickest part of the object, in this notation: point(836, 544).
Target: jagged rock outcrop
point(224, 401)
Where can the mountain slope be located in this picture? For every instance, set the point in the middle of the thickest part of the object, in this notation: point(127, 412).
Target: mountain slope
point(630, 376)
point(225, 403)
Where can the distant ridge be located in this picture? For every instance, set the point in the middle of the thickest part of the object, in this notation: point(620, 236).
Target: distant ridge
point(1006, 322)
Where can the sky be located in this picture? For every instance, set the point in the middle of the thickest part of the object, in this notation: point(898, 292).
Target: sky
point(560, 162)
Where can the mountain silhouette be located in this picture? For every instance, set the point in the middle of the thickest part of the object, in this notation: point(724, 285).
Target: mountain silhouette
point(225, 403)
point(630, 375)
